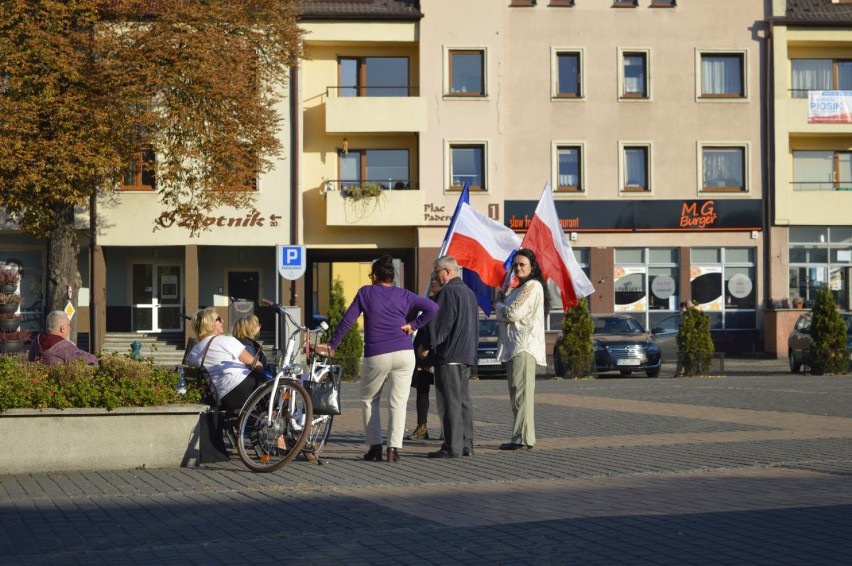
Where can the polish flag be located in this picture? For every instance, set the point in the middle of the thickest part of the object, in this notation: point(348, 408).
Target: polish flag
point(553, 252)
point(481, 244)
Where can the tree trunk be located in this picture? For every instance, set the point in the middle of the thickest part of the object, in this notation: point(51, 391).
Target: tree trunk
point(63, 248)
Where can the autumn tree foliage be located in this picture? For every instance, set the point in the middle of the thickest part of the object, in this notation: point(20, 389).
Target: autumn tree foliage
point(89, 87)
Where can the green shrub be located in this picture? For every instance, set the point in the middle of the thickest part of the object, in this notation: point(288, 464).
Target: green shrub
point(828, 353)
point(351, 348)
point(118, 382)
point(574, 349)
point(694, 343)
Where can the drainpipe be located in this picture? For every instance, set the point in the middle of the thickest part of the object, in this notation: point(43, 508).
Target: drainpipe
point(295, 150)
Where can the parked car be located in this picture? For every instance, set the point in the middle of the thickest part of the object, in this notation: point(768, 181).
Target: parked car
point(620, 344)
point(799, 341)
point(487, 364)
point(665, 335)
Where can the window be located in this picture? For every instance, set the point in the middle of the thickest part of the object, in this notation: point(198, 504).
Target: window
point(635, 168)
point(723, 169)
point(386, 167)
point(569, 168)
point(624, 4)
point(663, 3)
point(373, 76)
point(820, 256)
point(467, 165)
point(634, 77)
point(561, 3)
point(822, 170)
point(820, 74)
point(139, 175)
point(723, 284)
point(722, 75)
point(466, 70)
point(523, 3)
point(646, 283)
point(568, 73)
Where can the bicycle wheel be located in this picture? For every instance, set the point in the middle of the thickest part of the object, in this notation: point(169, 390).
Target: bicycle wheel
point(266, 446)
point(321, 425)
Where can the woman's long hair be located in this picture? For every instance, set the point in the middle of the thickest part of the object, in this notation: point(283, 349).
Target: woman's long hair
point(535, 273)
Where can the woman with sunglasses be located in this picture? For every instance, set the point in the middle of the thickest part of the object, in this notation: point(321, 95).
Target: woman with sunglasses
point(521, 344)
point(234, 371)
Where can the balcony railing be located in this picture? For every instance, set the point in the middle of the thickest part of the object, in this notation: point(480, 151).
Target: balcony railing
point(386, 184)
point(821, 186)
point(372, 91)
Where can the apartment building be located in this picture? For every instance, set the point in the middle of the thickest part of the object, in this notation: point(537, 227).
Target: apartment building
point(811, 204)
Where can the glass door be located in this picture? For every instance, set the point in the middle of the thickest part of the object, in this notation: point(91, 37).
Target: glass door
point(157, 298)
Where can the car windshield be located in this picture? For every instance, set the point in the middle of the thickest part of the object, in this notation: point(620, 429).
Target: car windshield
point(617, 325)
point(488, 328)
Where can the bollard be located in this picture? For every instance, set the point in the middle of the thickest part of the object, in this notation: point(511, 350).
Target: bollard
point(136, 350)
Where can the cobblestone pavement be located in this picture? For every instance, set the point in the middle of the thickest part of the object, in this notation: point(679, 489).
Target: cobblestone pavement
point(751, 468)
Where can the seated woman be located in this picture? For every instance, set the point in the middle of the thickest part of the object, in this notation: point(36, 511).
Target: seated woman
point(246, 330)
point(226, 359)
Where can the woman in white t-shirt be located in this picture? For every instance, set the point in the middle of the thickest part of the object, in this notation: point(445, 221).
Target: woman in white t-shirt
point(226, 359)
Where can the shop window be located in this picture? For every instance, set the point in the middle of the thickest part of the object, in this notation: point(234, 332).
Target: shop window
point(723, 285)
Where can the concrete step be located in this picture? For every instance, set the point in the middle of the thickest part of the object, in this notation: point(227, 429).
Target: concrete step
point(167, 349)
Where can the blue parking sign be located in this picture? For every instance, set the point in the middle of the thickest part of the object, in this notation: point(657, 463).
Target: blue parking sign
point(291, 261)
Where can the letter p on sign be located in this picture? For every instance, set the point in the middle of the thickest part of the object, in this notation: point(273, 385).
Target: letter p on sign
point(291, 261)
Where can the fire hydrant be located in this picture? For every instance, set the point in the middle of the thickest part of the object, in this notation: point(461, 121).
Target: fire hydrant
point(136, 350)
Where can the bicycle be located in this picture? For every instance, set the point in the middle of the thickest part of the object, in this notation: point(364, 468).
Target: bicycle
point(275, 421)
point(320, 371)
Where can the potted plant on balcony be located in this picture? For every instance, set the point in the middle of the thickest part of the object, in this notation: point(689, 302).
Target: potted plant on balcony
point(9, 281)
point(9, 302)
point(361, 192)
point(9, 321)
point(13, 342)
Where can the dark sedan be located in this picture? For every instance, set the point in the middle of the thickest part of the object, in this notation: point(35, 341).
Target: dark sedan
point(620, 344)
point(799, 341)
point(487, 364)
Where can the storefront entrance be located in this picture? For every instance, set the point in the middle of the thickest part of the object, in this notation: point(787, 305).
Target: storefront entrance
point(157, 298)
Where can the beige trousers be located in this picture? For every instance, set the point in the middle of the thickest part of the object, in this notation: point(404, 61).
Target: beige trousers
point(395, 369)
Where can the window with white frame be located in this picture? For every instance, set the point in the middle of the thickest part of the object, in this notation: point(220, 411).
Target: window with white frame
point(820, 256)
point(635, 167)
point(634, 77)
point(567, 73)
point(723, 284)
point(646, 283)
point(569, 169)
point(467, 164)
point(723, 168)
point(722, 74)
point(820, 74)
point(822, 170)
point(466, 72)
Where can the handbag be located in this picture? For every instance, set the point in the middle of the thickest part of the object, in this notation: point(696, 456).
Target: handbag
point(325, 393)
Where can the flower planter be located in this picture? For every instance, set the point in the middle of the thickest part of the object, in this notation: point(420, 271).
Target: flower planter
point(9, 324)
point(8, 308)
point(11, 346)
point(53, 440)
point(9, 289)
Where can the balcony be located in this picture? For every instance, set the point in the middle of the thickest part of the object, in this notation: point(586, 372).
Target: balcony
point(794, 111)
point(398, 112)
point(394, 202)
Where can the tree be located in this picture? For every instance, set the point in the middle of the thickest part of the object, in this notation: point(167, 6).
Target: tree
point(694, 343)
point(574, 351)
point(828, 351)
point(351, 348)
point(89, 88)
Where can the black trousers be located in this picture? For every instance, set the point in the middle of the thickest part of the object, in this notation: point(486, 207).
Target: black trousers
point(453, 382)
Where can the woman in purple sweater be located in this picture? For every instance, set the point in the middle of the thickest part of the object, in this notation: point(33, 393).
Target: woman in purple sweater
point(388, 352)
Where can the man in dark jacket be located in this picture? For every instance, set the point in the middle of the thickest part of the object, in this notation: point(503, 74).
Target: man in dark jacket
point(52, 347)
point(452, 338)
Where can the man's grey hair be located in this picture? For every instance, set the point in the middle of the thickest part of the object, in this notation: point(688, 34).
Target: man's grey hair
point(54, 320)
point(446, 262)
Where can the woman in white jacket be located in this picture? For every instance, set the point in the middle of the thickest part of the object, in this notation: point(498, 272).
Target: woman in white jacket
point(521, 345)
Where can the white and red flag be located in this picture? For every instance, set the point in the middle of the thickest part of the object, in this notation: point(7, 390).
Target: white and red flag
point(547, 240)
point(481, 244)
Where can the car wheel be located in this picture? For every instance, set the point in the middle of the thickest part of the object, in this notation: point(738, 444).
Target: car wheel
point(795, 365)
point(626, 372)
point(653, 372)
